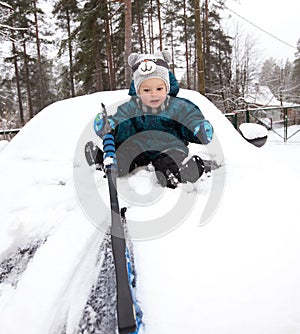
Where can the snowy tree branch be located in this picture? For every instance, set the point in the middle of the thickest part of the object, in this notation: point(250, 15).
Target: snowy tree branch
point(11, 28)
point(6, 5)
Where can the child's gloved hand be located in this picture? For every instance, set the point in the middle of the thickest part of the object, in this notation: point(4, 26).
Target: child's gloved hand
point(204, 132)
point(101, 128)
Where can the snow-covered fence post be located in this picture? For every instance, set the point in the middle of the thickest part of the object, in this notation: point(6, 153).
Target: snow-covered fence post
point(285, 123)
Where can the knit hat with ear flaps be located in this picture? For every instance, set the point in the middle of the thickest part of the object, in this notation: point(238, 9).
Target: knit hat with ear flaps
point(146, 66)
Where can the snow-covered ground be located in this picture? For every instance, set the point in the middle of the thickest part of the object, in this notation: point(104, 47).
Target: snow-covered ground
point(220, 256)
point(285, 153)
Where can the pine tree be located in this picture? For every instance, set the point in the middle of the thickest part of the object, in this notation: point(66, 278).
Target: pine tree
point(218, 52)
point(141, 14)
point(66, 12)
point(29, 63)
point(90, 57)
point(12, 21)
point(270, 76)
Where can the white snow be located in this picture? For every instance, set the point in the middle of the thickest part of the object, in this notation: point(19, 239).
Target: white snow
point(3, 144)
point(253, 131)
point(220, 256)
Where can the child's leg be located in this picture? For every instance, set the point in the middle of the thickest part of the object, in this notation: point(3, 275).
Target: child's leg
point(128, 161)
point(167, 166)
point(170, 170)
point(94, 155)
point(192, 170)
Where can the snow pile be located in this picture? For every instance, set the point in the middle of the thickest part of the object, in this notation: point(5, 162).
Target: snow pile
point(220, 256)
point(253, 131)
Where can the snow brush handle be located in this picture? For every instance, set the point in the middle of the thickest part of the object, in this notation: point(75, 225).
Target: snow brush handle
point(109, 149)
point(109, 158)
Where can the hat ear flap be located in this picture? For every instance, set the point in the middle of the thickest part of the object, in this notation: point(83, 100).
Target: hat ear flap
point(132, 59)
point(164, 55)
point(167, 56)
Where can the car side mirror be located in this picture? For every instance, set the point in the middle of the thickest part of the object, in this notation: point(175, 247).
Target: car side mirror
point(255, 134)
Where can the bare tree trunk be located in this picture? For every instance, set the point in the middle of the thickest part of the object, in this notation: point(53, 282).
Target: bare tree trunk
point(113, 63)
point(109, 55)
point(70, 55)
point(128, 40)
point(144, 39)
point(98, 74)
point(159, 26)
point(200, 60)
point(140, 25)
point(98, 66)
point(188, 80)
point(194, 52)
point(14, 50)
point(172, 50)
point(151, 35)
point(29, 97)
point(40, 73)
point(207, 44)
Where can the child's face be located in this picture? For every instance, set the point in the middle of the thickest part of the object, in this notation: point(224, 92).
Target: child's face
point(153, 92)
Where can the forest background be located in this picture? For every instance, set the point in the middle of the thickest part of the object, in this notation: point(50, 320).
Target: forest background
point(53, 50)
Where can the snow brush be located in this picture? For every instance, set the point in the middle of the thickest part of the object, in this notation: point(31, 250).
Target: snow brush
point(125, 305)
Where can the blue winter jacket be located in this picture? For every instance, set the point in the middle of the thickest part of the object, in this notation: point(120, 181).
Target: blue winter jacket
point(171, 127)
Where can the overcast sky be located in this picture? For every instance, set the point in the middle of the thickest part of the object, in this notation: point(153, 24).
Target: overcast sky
point(280, 19)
